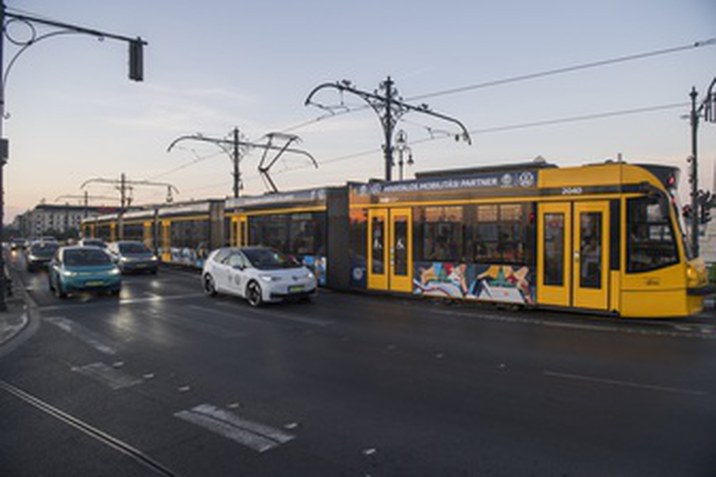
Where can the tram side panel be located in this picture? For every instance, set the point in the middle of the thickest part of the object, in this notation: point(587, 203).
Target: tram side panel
point(337, 236)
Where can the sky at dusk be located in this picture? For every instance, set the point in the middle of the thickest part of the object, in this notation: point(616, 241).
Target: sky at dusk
point(73, 115)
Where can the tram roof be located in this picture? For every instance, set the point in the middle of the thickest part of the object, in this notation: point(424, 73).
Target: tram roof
point(519, 166)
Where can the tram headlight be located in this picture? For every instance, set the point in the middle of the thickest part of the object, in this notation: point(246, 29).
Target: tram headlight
point(692, 276)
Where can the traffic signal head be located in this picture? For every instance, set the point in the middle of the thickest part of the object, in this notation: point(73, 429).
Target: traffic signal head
point(136, 60)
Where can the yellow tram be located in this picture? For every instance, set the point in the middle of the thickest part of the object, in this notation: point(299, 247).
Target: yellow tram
point(603, 238)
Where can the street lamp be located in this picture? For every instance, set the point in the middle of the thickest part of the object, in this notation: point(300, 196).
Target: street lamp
point(401, 144)
point(136, 73)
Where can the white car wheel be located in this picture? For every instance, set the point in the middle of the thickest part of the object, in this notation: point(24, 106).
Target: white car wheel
point(209, 287)
point(253, 294)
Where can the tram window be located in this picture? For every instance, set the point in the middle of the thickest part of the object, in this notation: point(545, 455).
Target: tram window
point(651, 244)
point(134, 232)
point(104, 232)
point(590, 250)
point(270, 231)
point(554, 249)
point(377, 245)
point(189, 233)
point(498, 233)
point(306, 234)
point(442, 233)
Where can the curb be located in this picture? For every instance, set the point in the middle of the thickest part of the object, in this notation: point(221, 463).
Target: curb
point(17, 317)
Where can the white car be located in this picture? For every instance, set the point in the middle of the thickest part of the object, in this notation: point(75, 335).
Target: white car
point(259, 274)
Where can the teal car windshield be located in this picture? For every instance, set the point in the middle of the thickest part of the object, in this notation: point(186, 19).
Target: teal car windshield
point(86, 257)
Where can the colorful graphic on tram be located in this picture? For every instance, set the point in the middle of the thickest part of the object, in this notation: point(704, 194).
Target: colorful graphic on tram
point(501, 283)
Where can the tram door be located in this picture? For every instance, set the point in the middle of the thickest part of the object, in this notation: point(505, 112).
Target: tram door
point(242, 232)
point(148, 234)
point(166, 240)
point(573, 255)
point(390, 247)
point(239, 231)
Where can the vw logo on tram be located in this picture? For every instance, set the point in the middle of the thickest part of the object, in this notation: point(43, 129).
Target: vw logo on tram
point(526, 179)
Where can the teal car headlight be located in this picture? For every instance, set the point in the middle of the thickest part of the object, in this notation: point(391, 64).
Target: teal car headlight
point(68, 273)
point(114, 271)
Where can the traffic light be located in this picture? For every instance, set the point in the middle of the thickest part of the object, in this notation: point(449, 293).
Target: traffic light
point(136, 60)
point(706, 202)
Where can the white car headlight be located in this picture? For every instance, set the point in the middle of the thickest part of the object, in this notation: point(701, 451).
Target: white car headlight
point(310, 275)
point(269, 278)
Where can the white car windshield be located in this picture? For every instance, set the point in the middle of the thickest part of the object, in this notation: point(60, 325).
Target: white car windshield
point(267, 259)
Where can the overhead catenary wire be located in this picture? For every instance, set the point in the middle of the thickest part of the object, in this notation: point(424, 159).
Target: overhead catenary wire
point(512, 127)
point(567, 69)
point(523, 77)
point(486, 84)
point(196, 160)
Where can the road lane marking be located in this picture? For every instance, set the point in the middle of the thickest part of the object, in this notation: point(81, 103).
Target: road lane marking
point(265, 313)
point(123, 301)
point(630, 384)
point(83, 334)
point(107, 375)
point(254, 435)
point(87, 429)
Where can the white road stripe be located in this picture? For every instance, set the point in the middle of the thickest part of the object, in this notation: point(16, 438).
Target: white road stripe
point(614, 382)
point(107, 375)
point(78, 331)
point(254, 435)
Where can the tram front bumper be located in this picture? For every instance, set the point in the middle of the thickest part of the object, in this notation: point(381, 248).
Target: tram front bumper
point(704, 290)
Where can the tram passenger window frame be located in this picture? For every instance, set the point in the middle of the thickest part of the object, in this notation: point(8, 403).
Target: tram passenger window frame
point(441, 233)
point(189, 233)
point(651, 241)
point(300, 233)
point(104, 231)
point(133, 231)
point(306, 232)
point(498, 233)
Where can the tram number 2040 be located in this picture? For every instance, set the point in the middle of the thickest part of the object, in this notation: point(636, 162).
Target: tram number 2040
point(571, 190)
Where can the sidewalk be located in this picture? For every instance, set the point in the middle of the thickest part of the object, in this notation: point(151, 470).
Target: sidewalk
point(12, 321)
point(16, 318)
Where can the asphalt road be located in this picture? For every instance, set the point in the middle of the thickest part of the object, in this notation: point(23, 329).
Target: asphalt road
point(166, 381)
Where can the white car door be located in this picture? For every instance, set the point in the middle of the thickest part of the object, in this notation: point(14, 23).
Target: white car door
point(236, 265)
point(220, 270)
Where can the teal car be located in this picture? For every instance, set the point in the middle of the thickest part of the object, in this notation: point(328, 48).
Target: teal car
point(79, 269)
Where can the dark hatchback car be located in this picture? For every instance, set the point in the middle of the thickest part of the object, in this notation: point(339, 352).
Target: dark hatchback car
point(39, 255)
point(133, 256)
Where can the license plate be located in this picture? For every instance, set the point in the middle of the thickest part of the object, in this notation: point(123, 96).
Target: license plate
point(94, 283)
point(295, 288)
